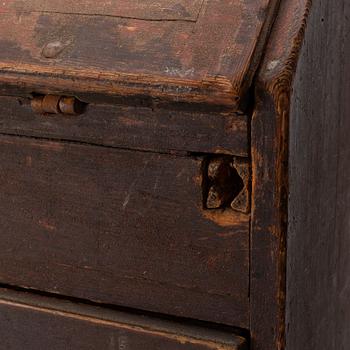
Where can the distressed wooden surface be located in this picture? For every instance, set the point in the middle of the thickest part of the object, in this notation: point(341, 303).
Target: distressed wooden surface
point(318, 270)
point(133, 128)
point(185, 10)
point(36, 323)
point(50, 190)
point(270, 132)
point(121, 227)
point(210, 60)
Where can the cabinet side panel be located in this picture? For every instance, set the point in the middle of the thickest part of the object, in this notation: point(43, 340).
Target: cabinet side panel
point(318, 263)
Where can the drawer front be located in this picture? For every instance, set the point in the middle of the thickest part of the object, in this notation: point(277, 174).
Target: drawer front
point(120, 227)
point(36, 323)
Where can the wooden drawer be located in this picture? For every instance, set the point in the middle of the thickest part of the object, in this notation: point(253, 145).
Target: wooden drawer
point(37, 323)
point(120, 227)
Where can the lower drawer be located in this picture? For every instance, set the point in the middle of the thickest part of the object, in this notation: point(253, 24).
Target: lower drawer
point(120, 227)
point(37, 323)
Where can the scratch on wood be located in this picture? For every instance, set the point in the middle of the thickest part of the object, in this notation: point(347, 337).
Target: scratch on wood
point(45, 224)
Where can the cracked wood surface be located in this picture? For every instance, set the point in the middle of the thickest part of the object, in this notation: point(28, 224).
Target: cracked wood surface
point(120, 227)
point(170, 10)
point(131, 127)
point(182, 51)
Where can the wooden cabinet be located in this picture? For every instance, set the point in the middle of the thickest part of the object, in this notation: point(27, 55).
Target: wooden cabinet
point(173, 174)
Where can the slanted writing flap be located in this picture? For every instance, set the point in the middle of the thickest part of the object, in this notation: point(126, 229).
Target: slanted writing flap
point(187, 51)
point(136, 9)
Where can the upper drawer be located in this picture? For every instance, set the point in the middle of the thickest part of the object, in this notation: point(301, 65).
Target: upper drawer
point(176, 51)
point(126, 228)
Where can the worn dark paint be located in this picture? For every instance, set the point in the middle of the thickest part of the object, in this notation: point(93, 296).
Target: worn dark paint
point(174, 86)
point(164, 59)
point(299, 150)
point(270, 134)
point(318, 294)
point(121, 227)
point(32, 322)
point(131, 127)
point(266, 237)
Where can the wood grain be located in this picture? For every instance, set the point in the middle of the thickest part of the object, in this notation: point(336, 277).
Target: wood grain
point(37, 323)
point(270, 139)
point(187, 10)
point(133, 128)
point(209, 61)
point(128, 227)
point(318, 288)
point(120, 227)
